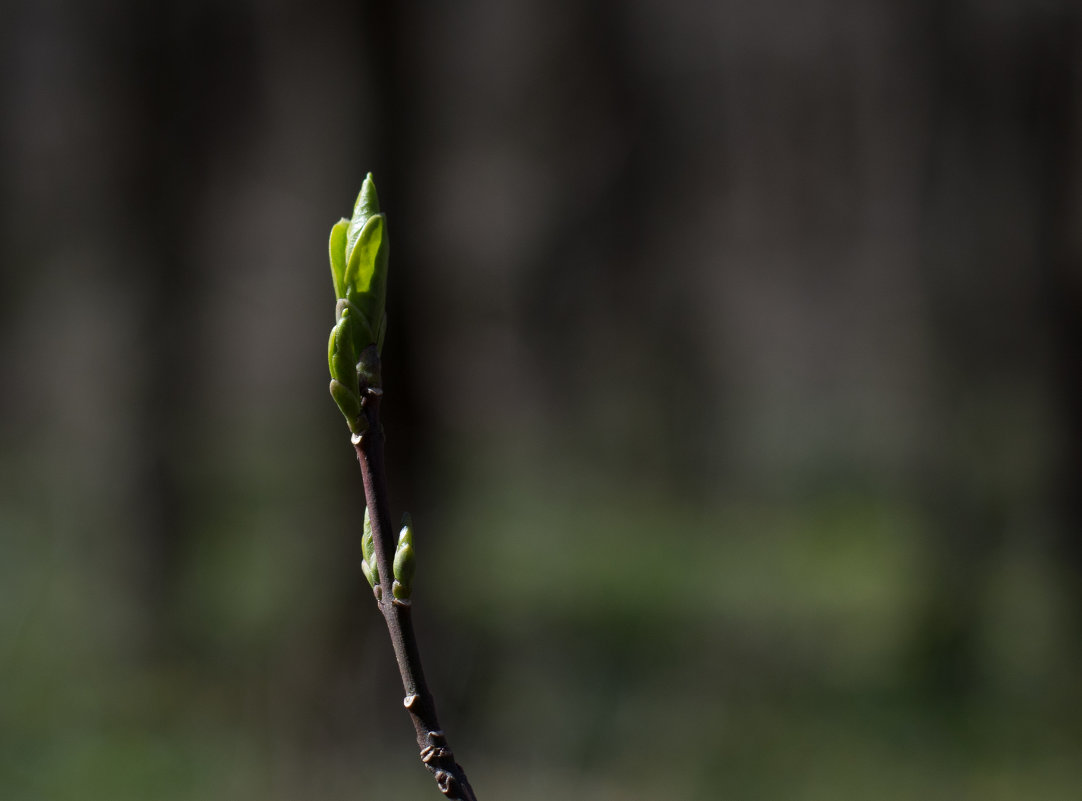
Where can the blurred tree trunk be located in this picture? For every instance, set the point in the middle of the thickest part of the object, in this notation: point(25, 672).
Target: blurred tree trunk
point(603, 270)
point(192, 90)
point(1000, 97)
point(1056, 116)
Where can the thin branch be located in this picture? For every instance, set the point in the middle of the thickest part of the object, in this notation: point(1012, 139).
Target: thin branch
point(435, 752)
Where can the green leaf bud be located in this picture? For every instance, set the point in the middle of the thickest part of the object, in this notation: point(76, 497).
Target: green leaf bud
point(370, 573)
point(341, 357)
point(361, 267)
point(332, 349)
point(349, 402)
point(359, 250)
point(364, 209)
point(405, 565)
point(338, 257)
point(368, 545)
point(368, 552)
point(359, 329)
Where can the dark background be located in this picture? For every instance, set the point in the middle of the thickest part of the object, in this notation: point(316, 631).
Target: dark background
point(732, 380)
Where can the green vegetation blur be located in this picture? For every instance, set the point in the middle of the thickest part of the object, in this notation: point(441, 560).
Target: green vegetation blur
point(732, 382)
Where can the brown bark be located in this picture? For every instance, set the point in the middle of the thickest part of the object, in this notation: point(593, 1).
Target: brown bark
point(435, 752)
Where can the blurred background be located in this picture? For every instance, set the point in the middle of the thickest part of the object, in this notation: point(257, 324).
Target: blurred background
point(733, 382)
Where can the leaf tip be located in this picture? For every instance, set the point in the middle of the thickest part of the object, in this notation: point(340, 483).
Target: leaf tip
point(367, 203)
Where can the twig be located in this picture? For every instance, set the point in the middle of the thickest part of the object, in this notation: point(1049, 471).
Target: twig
point(359, 263)
point(435, 752)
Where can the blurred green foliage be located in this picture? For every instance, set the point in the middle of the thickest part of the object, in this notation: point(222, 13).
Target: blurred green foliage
point(621, 642)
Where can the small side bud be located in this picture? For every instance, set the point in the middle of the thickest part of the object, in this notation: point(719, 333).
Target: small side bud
point(405, 565)
point(370, 573)
point(368, 545)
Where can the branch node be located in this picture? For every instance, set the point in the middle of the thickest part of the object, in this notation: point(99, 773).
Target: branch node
point(410, 701)
point(447, 783)
point(433, 753)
